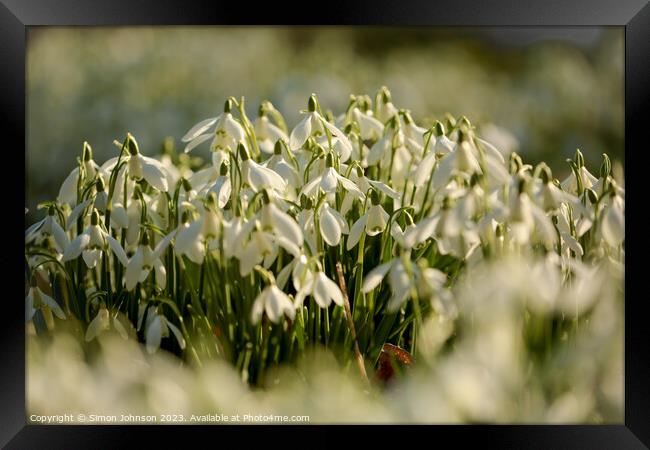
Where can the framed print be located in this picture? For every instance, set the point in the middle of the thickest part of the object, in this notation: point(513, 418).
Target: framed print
point(378, 215)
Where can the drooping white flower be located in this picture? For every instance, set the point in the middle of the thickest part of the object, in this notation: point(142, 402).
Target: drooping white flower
point(145, 259)
point(37, 299)
point(102, 322)
point(46, 228)
point(372, 222)
point(462, 161)
point(257, 176)
point(613, 221)
point(331, 225)
point(91, 244)
point(193, 238)
point(68, 190)
point(322, 290)
point(329, 181)
point(314, 123)
point(227, 134)
point(158, 327)
point(370, 127)
point(268, 134)
point(398, 279)
point(275, 303)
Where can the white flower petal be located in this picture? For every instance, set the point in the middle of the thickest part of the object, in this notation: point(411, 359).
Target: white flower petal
point(355, 232)
point(300, 133)
point(198, 129)
point(374, 277)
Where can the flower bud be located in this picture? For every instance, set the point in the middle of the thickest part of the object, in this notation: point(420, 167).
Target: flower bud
point(227, 106)
point(385, 95)
point(439, 129)
point(243, 154)
point(606, 166)
point(277, 149)
point(186, 184)
point(100, 184)
point(87, 152)
point(94, 218)
point(374, 197)
point(312, 104)
point(265, 197)
point(132, 145)
point(579, 158)
point(593, 197)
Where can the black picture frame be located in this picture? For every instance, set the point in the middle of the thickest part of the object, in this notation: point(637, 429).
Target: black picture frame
point(633, 15)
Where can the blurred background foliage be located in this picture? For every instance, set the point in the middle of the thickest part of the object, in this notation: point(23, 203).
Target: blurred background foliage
point(552, 89)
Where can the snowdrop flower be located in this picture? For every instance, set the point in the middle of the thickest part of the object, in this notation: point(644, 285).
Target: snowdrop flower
point(525, 218)
point(68, 191)
point(91, 244)
point(613, 221)
point(192, 239)
point(580, 177)
point(148, 168)
point(269, 230)
point(413, 134)
point(370, 127)
point(372, 222)
point(145, 259)
point(37, 299)
point(227, 135)
point(315, 123)
point(275, 303)
point(462, 161)
point(257, 176)
point(46, 228)
point(441, 146)
point(158, 327)
point(329, 181)
point(385, 108)
point(283, 167)
point(322, 289)
point(398, 279)
point(267, 133)
point(102, 322)
point(331, 225)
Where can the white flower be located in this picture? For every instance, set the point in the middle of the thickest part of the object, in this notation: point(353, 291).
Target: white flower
point(570, 183)
point(371, 128)
point(68, 190)
point(328, 181)
point(260, 238)
point(48, 227)
point(158, 327)
point(331, 225)
point(268, 134)
point(91, 244)
point(192, 238)
point(462, 161)
point(322, 289)
point(37, 299)
point(145, 259)
point(372, 223)
point(102, 322)
point(259, 177)
point(613, 222)
point(275, 303)
point(228, 133)
point(139, 167)
point(315, 123)
point(398, 279)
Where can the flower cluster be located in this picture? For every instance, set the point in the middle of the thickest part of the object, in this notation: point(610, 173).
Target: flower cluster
point(290, 238)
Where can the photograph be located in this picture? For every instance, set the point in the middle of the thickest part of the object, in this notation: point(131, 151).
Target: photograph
point(238, 225)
